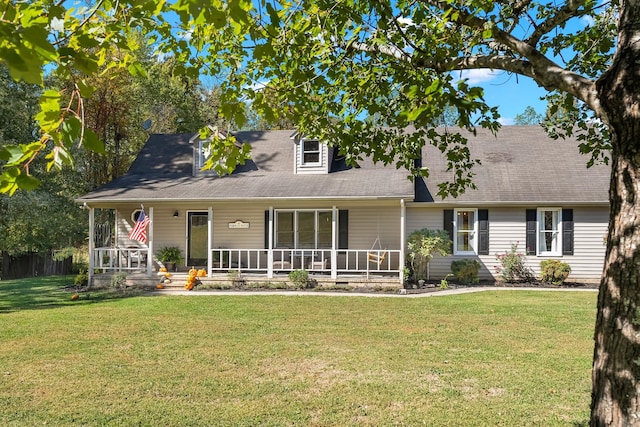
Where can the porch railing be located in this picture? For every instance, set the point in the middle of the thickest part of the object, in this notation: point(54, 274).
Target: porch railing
point(119, 259)
point(354, 261)
point(347, 261)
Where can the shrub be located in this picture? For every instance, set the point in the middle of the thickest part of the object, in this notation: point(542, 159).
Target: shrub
point(554, 271)
point(118, 280)
point(422, 245)
point(300, 278)
point(466, 271)
point(82, 279)
point(513, 266)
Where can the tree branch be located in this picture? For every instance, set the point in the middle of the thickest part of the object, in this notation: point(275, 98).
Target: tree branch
point(563, 15)
point(544, 71)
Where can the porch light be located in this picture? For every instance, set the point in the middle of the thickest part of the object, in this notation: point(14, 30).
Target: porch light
point(176, 214)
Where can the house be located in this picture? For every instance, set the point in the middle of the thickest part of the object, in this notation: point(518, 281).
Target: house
point(296, 204)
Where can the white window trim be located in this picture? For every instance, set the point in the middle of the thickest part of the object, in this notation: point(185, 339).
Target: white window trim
point(558, 251)
point(302, 152)
point(474, 232)
point(295, 212)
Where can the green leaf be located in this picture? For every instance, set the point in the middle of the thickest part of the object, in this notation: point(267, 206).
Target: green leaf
point(85, 89)
point(136, 69)
point(27, 182)
point(49, 116)
point(91, 142)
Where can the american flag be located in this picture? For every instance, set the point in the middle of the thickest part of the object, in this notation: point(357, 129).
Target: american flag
point(139, 232)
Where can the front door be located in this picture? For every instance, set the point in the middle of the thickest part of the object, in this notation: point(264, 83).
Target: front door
point(198, 236)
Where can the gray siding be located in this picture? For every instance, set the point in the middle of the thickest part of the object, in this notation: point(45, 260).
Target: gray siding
point(507, 227)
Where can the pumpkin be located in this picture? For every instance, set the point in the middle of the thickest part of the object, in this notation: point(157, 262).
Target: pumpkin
point(75, 297)
point(202, 272)
point(159, 286)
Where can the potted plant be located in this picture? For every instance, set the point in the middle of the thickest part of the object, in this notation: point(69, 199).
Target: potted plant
point(170, 256)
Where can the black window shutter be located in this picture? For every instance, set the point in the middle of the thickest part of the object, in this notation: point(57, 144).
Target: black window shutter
point(532, 220)
point(266, 229)
point(448, 223)
point(567, 231)
point(483, 231)
point(343, 229)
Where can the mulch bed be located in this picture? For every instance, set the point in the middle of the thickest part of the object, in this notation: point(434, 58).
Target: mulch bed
point(434, 286)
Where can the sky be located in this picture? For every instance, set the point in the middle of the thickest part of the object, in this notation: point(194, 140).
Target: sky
point(511, 94)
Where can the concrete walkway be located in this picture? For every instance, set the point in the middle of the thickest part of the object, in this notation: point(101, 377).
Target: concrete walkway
point(435, 293)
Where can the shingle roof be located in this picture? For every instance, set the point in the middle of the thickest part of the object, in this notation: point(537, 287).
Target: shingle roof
point(521, 165)
point(163, 171)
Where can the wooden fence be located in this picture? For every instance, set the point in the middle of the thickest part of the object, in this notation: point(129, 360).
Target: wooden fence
point(33, 265)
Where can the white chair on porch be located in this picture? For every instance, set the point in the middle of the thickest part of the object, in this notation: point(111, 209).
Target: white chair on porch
point(321, 265)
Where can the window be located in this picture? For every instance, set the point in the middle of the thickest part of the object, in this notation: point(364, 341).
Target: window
point(550, 231)
point(310, 154)
point(549, 235)
point(204, 152)
point(303, 229)
point(465, 230)
point(471, 234)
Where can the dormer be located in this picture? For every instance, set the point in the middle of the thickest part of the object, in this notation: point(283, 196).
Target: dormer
point(311, 155)
point(202, 150)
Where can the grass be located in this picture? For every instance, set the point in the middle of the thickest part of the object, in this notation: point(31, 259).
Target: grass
point(492, 358)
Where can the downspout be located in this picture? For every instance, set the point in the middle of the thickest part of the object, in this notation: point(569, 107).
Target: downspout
point(403, 232)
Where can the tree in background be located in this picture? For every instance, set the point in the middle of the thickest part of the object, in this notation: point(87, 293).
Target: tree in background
point(335, 64)
point(46, 218)
point(528, 117)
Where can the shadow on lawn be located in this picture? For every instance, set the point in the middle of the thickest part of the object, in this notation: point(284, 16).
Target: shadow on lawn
point(36, 293)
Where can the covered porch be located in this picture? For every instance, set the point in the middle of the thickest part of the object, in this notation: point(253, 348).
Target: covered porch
point(334, 262)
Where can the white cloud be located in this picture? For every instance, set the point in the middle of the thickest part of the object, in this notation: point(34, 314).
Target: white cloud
point(477, 76)
point(505, 121)
point(587, 21)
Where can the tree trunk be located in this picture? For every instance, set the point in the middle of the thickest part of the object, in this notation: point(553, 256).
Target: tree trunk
point(616, 362)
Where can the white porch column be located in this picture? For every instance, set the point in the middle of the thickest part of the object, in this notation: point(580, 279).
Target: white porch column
point(270, 249)
point(403, 238)
point(334, 243)
point(209, 241)
point(91, 244)
point(150, 244)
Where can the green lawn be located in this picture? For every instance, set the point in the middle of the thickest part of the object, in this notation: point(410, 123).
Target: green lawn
point(485, 359)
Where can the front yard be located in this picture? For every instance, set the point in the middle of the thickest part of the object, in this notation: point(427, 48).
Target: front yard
point(492, 358)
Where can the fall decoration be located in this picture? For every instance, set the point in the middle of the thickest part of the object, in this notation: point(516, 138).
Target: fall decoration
point(159, 286)
point(164, 277)
point(192, 279)
point(75, 297)
point(202, 272)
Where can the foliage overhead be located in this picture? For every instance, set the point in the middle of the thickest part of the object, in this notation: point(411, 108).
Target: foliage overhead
point(338, 70)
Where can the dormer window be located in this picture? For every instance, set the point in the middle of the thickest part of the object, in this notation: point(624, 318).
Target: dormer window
point(310, 152)
point(204, 152)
